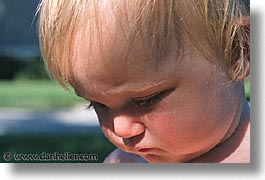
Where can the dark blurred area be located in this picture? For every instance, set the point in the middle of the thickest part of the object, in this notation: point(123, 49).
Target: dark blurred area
point(19, 46)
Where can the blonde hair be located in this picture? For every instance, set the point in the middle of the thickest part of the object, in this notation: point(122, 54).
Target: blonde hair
point(214, 26)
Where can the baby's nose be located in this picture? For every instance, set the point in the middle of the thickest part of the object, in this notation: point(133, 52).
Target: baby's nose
point(127, 127)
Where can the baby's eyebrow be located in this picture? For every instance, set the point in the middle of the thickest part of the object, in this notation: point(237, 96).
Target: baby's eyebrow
point(137, 92)
point(145, 90)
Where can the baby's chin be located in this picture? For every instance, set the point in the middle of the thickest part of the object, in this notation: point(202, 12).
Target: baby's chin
point(154, 158)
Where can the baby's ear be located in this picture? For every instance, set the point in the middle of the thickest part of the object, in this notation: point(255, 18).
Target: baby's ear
point(240, 53)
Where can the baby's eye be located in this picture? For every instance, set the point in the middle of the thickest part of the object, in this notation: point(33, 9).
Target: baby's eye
point(149, 100)
point(153, 99)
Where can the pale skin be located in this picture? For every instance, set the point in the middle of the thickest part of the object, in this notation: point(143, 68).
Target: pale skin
point(179, 110)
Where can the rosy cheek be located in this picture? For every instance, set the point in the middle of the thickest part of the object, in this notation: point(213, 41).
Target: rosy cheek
point(160, 122)
point(169, 126)
point(160, 117)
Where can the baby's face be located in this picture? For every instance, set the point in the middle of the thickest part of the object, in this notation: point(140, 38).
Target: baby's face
point(165, 112)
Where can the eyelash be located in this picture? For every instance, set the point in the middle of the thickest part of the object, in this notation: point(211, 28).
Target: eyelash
point(148, 101)
point(144, 102)
point(92, 105)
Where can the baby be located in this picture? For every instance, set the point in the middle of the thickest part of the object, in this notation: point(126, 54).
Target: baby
point(165, 77)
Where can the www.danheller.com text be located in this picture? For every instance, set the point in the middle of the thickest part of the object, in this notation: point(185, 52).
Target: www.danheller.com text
point(50, 157)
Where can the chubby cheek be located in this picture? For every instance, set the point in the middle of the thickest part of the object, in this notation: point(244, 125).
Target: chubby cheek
point(170, 131)
point(182, 130)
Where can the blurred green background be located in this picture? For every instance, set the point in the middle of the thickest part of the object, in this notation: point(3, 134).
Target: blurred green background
point(30, 88)
point(25, 85)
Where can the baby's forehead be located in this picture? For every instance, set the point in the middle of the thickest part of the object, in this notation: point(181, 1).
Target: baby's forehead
point(141, 29)
point(104, 51)
point(122, 40)
point(118, 31)
point(112, 61)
